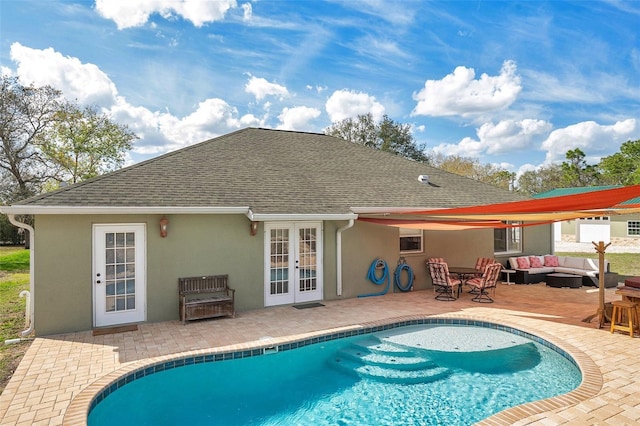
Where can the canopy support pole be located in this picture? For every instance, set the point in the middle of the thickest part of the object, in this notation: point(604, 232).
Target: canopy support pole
point(601, 313)
point(601, 248)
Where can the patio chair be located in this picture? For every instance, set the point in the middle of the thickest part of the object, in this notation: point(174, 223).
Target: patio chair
point(445, 286)
point(487, 282)
point(441, 260)
point(482, 263)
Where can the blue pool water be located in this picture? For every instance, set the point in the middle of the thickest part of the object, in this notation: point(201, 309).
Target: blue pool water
point(421, 374)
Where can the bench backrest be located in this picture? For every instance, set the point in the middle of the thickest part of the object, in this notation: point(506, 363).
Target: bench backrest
point(208, 284)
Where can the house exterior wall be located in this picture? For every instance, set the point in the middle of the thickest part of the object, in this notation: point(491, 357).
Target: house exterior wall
point(619, 227)
point(195, 245)
point(366, 242)
point(536, 240)
point(221, 244)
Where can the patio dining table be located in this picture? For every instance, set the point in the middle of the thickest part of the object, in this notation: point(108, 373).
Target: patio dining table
point(464, 273)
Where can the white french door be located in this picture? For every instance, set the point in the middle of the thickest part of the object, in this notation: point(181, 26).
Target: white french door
point(293, 262)
point(119, 274)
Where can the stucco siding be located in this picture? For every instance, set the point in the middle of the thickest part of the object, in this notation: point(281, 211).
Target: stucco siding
point(361, 245)
point(62, 290)
point(195, 245)
point(222, 244)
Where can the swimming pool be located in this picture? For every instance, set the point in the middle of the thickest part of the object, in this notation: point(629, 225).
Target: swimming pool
point(393, 376)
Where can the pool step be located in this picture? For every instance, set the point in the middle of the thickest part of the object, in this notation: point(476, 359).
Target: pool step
point(387, 362)
point(392, 375)
point(375, 345)
point(398, 361)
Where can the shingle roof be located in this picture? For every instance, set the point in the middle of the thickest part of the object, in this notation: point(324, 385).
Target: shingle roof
point(277, 172)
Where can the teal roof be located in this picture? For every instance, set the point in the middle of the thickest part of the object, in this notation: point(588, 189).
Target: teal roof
point(558, 192)
point(581, 190)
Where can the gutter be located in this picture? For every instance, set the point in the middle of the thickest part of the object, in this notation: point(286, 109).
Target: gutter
point(339, 255)
point(29, 313)
point(39, 209)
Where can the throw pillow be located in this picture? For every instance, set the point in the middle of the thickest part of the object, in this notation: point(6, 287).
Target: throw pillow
point(523, 263)
point(534, 261)
point(551, 261)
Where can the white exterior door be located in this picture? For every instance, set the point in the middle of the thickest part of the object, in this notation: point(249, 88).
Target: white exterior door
point(293, 262)
point(119, 274)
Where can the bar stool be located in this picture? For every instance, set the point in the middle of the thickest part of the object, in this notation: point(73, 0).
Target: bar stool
point(629, 309)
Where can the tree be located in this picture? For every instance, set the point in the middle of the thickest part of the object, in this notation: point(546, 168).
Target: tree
point(540, 180)
point(474, 169)
point(82, 143)
point(576, 171)
point(622, 168)
point(25, 113)
point(388, 135)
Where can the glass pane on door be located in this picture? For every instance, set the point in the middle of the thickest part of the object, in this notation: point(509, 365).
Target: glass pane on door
point(279, 261)
point(307, 262)
point(120, 271)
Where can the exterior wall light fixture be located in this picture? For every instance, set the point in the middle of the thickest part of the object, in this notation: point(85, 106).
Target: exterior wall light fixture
point(164, 226)
point(253, 228)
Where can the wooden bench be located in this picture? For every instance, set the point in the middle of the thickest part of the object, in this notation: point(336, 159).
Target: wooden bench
point(205, 297)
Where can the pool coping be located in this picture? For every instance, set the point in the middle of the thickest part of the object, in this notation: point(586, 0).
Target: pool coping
point(592, 380)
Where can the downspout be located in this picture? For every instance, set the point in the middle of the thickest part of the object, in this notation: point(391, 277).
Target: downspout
point(29, 314)
point(339, 256)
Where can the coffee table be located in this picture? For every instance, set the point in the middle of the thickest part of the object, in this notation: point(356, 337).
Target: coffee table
point(564, 280)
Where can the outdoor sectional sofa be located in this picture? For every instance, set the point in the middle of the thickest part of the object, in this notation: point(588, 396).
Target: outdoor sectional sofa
point(534, 269)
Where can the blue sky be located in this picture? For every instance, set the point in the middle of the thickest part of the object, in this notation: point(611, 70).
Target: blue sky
point(516, 84)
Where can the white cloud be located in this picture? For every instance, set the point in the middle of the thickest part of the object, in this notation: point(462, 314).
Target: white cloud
point(505, 136)
point(592, 138)
point(297, 118)
point(158, 131)
point(84, 82)
point(460, 94)
point(261, 88)
point(247, 11)
point(161, 132)
point(135, 13)
point(4, 71)
point(511, 135)
point(347, 104)
point(467, 147)
point(318, 89)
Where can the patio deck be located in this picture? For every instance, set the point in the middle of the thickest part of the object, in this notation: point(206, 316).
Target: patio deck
point(59, 374)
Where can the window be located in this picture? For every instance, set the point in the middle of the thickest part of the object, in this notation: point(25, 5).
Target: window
point(507, 240)
point(633, 227)
point(410, 240)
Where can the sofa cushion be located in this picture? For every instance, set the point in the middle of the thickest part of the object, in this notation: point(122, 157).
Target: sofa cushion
point(550, 260)
point(513, 262)
point(591, 265)
point(573, 262)
point(523, 262)
point(534, 262)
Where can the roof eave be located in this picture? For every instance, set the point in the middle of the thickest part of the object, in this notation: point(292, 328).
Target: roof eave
point(262, 217)
point(112, 210)
point(64, 210)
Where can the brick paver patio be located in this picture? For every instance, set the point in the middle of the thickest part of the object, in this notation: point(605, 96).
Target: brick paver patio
point(59, 375)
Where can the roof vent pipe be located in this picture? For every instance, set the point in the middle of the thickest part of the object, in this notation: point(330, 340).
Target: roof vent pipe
point(423, 178)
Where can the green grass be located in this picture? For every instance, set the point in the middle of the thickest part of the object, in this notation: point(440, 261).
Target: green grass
point(626, 264)
point(14, 277)
point(14, 259)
